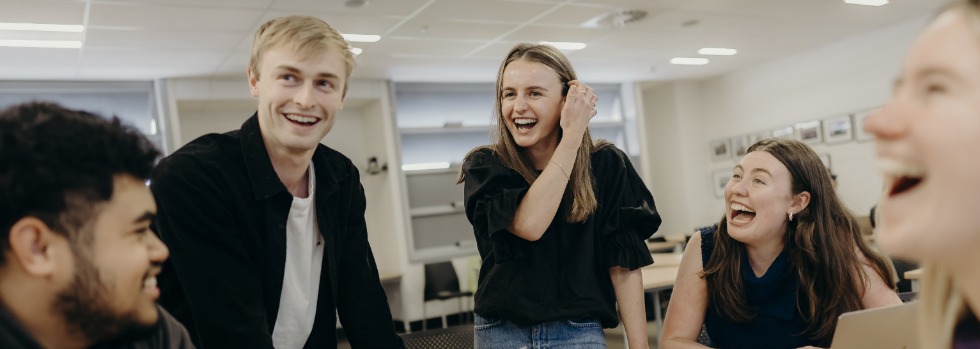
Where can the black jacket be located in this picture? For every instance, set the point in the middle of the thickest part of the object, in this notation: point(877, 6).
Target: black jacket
point(222, 212)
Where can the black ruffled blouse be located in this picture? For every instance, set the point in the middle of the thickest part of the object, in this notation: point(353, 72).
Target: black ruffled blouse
point(565, 274)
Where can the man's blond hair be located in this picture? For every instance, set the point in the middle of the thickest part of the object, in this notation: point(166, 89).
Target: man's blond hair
point(306, 35)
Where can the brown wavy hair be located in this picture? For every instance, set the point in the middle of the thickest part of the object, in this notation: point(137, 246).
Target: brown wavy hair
point(580, 183)
point(820, 244)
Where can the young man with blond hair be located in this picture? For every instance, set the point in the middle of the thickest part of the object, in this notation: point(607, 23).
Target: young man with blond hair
point(265, 224)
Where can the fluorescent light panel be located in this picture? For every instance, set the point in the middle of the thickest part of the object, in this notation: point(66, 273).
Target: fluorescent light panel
point(356, 50)
point(688, 61)
point(867, 2)
point(42, 27)
point(361, 37)
point(41, 43)
point(717, 51)
point(561, 45)
point(425, 166)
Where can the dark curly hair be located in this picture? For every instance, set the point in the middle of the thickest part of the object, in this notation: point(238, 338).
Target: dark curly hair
point(58, 165)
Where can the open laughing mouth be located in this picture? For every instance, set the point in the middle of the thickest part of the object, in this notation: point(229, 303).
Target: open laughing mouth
point(906, 177)
point(301, 120)
point(525, 124)
point(741, 214)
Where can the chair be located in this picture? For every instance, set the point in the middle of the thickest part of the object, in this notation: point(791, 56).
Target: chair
point(456, 337)
point(441, 283)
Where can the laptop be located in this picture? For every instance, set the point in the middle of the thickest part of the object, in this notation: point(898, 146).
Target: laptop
point(892, 327)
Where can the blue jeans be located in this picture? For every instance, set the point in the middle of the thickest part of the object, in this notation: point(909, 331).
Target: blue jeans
point(494, 333)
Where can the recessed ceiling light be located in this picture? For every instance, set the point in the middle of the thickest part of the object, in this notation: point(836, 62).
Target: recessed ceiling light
point(41, 43)
point(688, 61)
point(356, 50)
point(565, 45)
point(717, 51)
point(42, 27)
point(361, 37)
point(867, 2)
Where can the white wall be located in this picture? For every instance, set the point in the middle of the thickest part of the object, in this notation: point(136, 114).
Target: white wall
point(680, 118)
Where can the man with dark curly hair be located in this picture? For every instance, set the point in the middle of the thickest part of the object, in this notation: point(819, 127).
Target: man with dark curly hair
point(78, 261)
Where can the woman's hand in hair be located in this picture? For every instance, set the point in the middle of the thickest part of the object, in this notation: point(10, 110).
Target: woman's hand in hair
point(579, 108)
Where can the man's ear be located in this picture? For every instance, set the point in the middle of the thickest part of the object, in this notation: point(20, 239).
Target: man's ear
point(800, 202)
point(32, 245)
point(253, 79)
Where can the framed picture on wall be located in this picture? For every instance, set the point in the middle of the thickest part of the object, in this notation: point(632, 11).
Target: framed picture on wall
point(782, 132)
point(758, 136)
point(740, 145)
point(825, 159)
point(838, 129)
point(859, 118)
point(719, 179)
point(809, 132)
point(720, 149)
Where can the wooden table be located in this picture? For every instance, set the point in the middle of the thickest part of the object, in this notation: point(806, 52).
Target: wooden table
point(666, 259)
point(914, 276)
point(656, 279)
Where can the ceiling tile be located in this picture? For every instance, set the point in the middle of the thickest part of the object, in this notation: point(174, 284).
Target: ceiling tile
point(161, 39)
point(426, 48)
point(535, 33)
point(42, 11)
point(400, 8)
point(575, 15)
point(430, 28)
point(172, 17)
point(503, 11)
point(224, 4)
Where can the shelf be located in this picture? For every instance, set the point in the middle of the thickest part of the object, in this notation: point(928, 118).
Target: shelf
point(452, 208)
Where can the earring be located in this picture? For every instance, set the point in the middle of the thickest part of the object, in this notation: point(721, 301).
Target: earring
point(791, 216)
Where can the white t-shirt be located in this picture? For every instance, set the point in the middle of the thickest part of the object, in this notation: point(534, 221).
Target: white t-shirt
point(301, 277)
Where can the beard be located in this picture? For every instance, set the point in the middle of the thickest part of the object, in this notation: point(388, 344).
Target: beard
point(87, 308)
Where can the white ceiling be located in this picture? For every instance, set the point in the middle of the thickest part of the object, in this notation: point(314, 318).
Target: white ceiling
point(433, 40)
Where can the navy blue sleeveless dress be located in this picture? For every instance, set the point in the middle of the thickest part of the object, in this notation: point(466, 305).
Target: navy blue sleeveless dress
point(778, 323)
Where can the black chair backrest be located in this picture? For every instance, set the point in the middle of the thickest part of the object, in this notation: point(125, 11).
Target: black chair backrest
point(440, 277)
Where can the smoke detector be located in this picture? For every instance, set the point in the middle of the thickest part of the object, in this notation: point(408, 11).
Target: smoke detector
point(617, 19)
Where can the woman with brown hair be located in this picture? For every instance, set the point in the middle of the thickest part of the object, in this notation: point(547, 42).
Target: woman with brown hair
point(785, 261)
point(927, 135)
point(559, 220)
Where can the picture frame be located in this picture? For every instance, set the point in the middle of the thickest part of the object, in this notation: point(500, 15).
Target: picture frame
point(809, 132)
point(720, 149)
point(838, 129)
point(825, 159)
point(859, 118)
point(782, 132)
point(719, 180)
point(740, 145)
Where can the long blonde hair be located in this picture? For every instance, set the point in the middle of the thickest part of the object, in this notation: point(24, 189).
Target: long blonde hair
point(942, 304)
point(514, 157)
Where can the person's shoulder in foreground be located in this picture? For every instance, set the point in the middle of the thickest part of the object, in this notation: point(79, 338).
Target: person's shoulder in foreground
point(79, 260)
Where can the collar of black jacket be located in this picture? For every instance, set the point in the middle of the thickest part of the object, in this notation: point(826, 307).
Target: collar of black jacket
point(265, 181)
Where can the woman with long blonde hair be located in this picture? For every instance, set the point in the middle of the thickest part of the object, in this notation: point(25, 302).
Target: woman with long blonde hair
point(927, 135)
point(559, 220)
